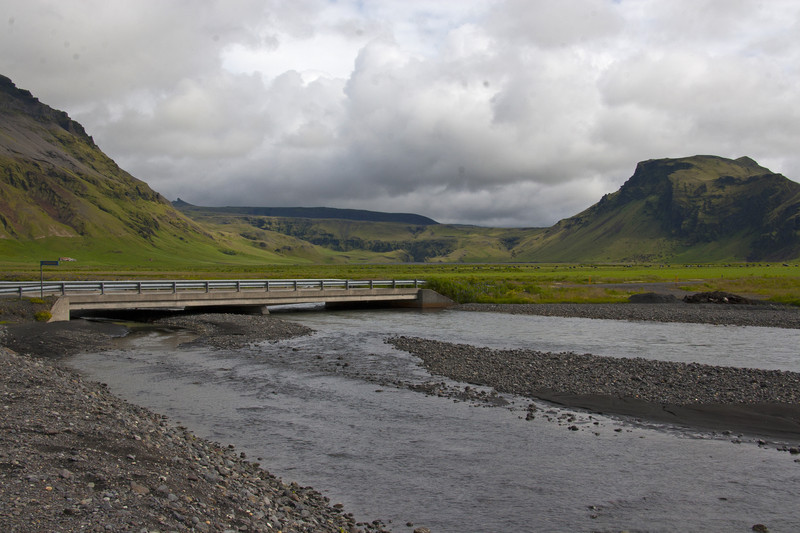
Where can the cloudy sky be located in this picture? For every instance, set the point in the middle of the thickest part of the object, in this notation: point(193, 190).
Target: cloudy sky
point(488, 112)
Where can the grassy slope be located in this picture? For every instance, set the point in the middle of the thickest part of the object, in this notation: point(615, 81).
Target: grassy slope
point(623, 235)
point(61, 196)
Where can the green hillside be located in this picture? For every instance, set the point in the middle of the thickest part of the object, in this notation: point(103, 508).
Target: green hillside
point(61, 196)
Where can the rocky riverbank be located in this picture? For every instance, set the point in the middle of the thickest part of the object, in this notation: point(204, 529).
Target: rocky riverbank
point(55, 340)
point(74, 457)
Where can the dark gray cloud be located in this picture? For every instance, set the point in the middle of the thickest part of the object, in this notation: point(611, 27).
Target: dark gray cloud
point(513, 113)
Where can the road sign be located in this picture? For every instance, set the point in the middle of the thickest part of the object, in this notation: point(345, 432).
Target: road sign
point(41, 274)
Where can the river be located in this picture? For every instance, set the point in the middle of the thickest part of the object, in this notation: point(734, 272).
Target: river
point(323, 410)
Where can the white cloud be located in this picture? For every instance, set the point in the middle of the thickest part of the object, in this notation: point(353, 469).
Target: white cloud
point(516, 112)
point(548, 24)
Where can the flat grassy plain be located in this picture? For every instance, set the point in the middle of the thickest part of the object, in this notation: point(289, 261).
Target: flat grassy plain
point(482, 283)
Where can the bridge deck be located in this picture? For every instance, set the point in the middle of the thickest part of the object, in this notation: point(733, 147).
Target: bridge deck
point(254, 295)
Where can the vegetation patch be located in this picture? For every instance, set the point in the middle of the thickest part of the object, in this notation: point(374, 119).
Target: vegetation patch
point(15, 310)
point(484, 283)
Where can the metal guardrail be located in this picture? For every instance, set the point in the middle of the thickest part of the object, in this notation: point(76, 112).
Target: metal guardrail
point(63, 288)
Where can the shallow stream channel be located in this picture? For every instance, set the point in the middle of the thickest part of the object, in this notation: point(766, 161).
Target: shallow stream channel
point(361, 422)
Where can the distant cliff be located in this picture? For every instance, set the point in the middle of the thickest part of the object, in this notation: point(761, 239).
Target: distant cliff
point(312, 212)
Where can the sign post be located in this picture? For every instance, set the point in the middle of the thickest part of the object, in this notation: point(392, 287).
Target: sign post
point(41, 274)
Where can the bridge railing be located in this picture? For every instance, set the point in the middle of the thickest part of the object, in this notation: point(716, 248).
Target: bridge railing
point(20, 288)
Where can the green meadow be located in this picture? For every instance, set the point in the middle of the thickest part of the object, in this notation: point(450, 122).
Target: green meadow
point(482, 283)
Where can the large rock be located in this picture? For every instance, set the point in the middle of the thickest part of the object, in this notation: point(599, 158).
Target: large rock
point(717, 297)
point(652, 298)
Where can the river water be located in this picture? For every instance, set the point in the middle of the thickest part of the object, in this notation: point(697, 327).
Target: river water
point(323, 411)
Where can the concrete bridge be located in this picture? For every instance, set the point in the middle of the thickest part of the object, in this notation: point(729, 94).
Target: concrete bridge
point(253, 296)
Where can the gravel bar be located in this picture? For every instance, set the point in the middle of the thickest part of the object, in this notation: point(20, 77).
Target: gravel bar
point(74, 457)
point(763, 315)
point(752, 401)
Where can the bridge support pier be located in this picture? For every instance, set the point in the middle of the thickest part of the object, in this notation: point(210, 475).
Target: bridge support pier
point(235, 309)
point(254, 310)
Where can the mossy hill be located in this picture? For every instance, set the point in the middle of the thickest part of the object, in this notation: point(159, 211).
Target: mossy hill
point(695, 209)
point(60, 195)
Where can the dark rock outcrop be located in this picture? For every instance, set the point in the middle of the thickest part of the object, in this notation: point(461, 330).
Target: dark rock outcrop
point(717, 297)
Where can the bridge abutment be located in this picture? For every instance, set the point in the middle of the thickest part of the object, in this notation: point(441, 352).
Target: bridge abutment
point(60, 310)
point(426, 299)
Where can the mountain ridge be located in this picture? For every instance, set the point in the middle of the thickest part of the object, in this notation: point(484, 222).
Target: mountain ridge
point(311, 212)
point(62, 195)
